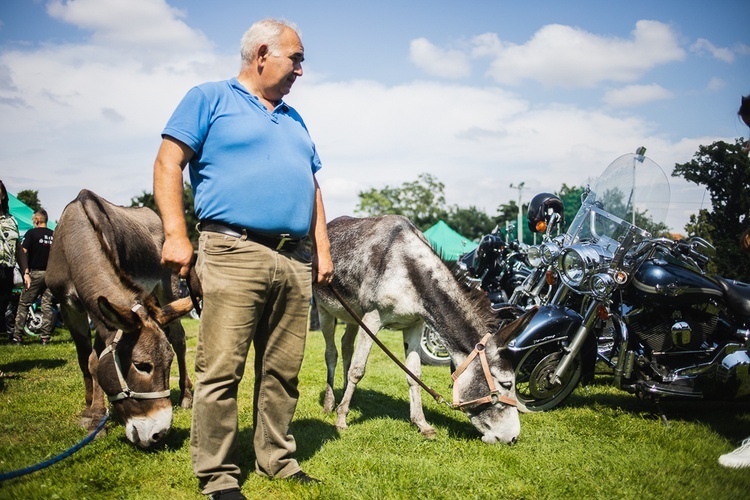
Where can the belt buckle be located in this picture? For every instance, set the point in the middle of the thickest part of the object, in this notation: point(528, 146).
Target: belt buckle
point(282, 241)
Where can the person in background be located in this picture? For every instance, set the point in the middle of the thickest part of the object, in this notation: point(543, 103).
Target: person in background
point(252, 168)
point(36, 244)
point(740, 457)
point(10, 255)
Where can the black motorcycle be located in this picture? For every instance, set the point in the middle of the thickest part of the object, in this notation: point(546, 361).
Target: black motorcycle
point(502, 268)
point(496, 266)
point(644, 306)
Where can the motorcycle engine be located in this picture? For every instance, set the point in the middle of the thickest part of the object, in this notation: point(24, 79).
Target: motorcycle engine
point(665, 330)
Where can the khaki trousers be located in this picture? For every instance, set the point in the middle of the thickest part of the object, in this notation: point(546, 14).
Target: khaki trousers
point(250, 294)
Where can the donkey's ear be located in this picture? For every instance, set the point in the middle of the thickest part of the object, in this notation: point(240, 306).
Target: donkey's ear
point(117, 317)
point(511, 330)
point(174, 310)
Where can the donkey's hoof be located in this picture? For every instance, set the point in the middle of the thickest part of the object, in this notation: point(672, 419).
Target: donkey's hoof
point(429, 433)
point(328, 404)
point(341, 425)
point(186, 402)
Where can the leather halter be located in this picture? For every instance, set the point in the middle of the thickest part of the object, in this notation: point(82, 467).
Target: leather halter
point(125, 391)
point(494, 397)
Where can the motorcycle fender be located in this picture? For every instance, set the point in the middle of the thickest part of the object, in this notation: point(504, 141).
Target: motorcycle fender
point(550, 324)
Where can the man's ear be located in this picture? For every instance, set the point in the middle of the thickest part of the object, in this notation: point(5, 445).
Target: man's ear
point(262, 53)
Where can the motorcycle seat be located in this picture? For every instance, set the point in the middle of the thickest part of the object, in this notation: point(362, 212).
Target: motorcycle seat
point(737, 294)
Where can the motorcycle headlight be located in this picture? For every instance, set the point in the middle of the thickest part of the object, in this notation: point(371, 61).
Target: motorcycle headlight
point(602, 285)
point(534, 256)
point(577, 262)
point(550, 252)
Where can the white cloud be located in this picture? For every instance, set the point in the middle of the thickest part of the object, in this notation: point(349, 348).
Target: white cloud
point(565, 56)
point(90, 114)
point(715, 84)
point(132, 24)
point(635, 95)
point(438, 62)
point(559, 55)
point(703, 46)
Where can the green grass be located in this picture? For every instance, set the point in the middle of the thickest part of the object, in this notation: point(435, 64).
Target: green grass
point(601, 444)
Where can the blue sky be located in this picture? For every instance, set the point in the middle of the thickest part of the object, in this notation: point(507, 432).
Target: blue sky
point(481, 94)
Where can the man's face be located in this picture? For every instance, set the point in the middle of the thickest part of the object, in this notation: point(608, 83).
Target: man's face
point(282, 68)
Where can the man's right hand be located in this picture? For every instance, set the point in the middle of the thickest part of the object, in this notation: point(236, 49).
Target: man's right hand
point(177, 255)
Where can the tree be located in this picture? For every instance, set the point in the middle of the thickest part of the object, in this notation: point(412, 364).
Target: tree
point(31, 198)
point(725, 171)
point(421, 201)
point(470, 222)
point(507, 215)
point(571, 198)
point(147, 200)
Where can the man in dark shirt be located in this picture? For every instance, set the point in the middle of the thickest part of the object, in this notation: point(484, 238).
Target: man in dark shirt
point(36, 245)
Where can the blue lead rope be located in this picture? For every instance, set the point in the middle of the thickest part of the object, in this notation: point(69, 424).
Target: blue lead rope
point(28, 470)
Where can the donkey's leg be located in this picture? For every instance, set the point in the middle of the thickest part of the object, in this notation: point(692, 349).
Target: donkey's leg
point(176, 336)
point(77, 322)
point(412, 337)
point(357, 369)
point(98, 407)
point(328, 327)
point(347, 349)
point(166, 292)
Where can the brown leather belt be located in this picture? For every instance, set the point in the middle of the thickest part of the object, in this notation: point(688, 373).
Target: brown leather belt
point(280, 243)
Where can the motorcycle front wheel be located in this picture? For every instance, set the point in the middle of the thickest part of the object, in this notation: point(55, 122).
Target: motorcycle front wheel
point(33, 323)
point(534, 388)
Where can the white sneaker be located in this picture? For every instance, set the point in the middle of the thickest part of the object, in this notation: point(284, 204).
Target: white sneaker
point(737, 458)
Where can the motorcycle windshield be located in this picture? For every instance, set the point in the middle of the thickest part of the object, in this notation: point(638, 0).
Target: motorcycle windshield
point(632, 191)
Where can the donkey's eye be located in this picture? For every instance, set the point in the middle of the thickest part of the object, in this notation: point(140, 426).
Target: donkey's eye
point(144, 367)
point(508, 385)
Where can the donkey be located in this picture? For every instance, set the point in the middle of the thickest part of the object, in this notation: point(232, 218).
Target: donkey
point(390, 276)
point(104, 264)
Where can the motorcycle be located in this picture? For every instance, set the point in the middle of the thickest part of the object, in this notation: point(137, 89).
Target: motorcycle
point(34, 318)
point(545, 216)
point(642, 305)
point(501, 269)
point(496, 266)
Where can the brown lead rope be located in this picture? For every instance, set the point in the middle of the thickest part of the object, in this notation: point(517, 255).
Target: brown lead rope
point(424, 386)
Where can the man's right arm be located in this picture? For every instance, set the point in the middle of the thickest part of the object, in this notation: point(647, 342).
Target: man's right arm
point(177, 253)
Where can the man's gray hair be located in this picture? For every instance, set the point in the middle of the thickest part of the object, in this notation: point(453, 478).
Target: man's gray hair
point(265, 31)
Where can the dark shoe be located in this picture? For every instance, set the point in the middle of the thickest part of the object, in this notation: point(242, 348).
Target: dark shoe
point(302, 478)
point(15, 340)
point(230, 494)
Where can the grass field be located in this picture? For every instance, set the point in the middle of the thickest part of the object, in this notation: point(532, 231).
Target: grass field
point(601, 444)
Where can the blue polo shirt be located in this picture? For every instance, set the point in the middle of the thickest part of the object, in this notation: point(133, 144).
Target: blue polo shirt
point(251, 168)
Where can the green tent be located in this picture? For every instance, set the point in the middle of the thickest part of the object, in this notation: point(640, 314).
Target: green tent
point(23, 213)
point(449, 244)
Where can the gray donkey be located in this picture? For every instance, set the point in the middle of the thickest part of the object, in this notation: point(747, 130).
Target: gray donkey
point(390, 277)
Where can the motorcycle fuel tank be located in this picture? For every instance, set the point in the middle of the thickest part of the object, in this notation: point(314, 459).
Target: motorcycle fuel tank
point(659, 280)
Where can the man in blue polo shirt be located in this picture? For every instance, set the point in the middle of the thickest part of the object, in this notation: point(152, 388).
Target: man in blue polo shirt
point(252, 168)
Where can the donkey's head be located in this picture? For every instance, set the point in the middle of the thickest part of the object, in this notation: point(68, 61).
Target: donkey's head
point(484, 386)
point(133, 369)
